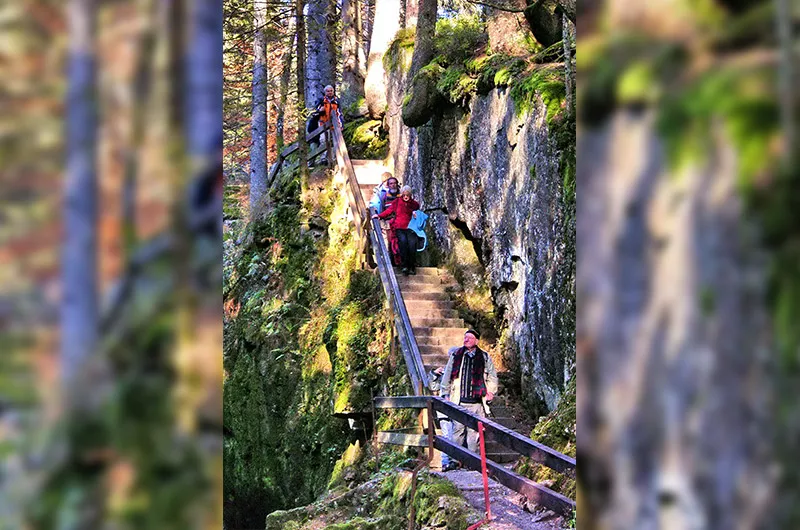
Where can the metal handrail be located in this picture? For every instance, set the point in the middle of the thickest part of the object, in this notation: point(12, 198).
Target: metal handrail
point(405, 331)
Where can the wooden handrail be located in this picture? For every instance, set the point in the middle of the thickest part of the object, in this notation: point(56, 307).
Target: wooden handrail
point(364, 222)
point(516, 442)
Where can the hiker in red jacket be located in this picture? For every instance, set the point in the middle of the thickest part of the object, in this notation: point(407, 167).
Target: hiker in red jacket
point(404, 209)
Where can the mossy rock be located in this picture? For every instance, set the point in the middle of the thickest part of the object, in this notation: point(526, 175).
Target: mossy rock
point(422, 97)
point(366, 139)
point(386, 522)
point(287, 519)
point(544, 21)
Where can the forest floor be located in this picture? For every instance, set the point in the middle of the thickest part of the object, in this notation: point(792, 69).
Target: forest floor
point(510, 510)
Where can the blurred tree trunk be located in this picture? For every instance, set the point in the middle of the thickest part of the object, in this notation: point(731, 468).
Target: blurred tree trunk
point(352, 88)
point(258, 131)
point(79, 307)
point(321, 62)
point(301, 88)
point(784, 21)
point(385, 26)
point(142, 83)
point(422, 90)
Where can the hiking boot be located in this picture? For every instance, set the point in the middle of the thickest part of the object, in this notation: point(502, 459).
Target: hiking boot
point(412, 271)
point(451, 466)
point(404, 271)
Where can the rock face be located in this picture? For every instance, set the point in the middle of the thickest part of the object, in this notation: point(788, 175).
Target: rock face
point(673, 339)
point(495, 176)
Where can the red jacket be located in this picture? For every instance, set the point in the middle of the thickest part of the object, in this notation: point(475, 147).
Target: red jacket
point(403, 209)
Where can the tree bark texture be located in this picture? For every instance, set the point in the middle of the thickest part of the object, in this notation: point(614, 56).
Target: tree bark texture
point(422, 89)
point(352, 88)
point(320, 65)
point(259, 121)
point(286, 77)
point(79, 306)
point(384, 28)
point(301, 85)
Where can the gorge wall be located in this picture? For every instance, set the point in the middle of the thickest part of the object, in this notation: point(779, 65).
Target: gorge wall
point(495, 175)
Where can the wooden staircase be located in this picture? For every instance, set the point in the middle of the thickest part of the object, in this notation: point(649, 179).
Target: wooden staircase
point(434, 319)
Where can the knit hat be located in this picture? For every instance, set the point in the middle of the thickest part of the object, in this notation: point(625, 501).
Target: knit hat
point(473, 333)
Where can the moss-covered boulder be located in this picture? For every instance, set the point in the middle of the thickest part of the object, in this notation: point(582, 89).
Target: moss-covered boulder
point(422, 97)
point(544, 19)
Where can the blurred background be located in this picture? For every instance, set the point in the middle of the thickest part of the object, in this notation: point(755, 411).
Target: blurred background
point(110, 264)
point(688, 264)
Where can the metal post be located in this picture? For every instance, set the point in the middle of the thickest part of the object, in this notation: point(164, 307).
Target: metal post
point(485, 481)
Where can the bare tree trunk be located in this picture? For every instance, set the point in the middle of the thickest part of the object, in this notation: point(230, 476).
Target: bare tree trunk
point(386, 24)
point(361, 39)
point(286, 76)
point(320, 64)
point(568, 30)
point(259, 121)
point(79, 307)
point(352, 88)
point(422, 90)
point(301, 86)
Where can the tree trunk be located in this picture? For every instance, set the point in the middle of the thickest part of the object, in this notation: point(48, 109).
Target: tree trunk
point(141, 91)
point(422, 90)
point(384, 28)
point(301, 86)
point(321, 63)
point(79, 307)
point(286, 76)
point(258, 131)
point(352, 89)
point(411, 15)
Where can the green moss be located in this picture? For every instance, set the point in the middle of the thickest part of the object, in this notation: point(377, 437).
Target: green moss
point(556, 430)
point(398, 56)
point(366, 139)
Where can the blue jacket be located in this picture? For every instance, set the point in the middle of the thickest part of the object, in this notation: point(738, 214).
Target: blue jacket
point(417, 224)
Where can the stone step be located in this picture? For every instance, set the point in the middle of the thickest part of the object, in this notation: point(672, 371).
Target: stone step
point(425, 349)
point(421, 271)
point(438, 322)
point(419, 279)
point(440, 333)
point(421, 296)
point(443, 342)
point(434, 360)
point(419, 287)
point(445, 305)
point(431, 313)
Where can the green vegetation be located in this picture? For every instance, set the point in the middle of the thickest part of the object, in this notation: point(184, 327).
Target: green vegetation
point(398, 56)
point(306, 335)
point(556, 430)
point(366, 139)
point(464, 67)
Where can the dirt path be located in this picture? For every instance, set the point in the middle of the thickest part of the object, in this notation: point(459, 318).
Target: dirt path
point(506, 505)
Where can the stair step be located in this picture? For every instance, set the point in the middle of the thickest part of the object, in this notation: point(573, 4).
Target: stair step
point(421, 271)
point(426, 279)
point(426, 296)
point(441, 332)
point(437, 322)
point(432, 350)
point(446, 305)
point(440, 341)
point(421, 287)
point(431, 313)
point(434, 359)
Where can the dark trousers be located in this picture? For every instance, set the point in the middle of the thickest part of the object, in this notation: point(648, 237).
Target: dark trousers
point(408, 247)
